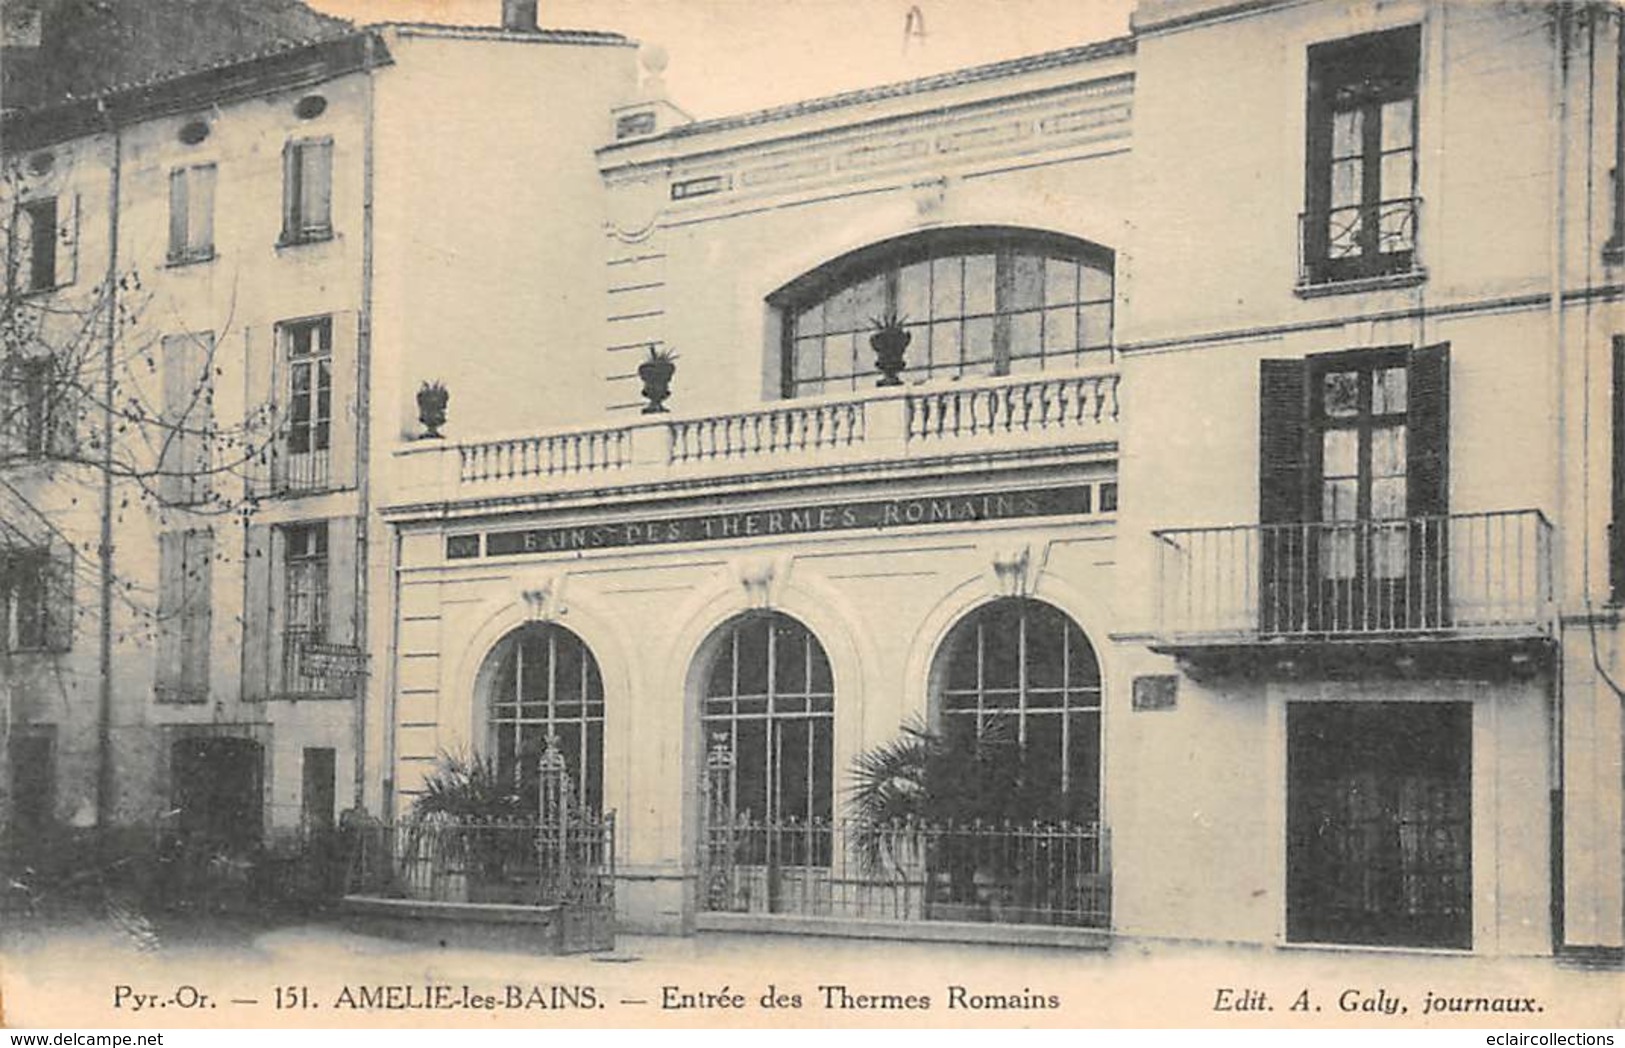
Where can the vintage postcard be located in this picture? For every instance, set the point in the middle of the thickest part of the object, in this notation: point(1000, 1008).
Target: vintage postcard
point(909, 513)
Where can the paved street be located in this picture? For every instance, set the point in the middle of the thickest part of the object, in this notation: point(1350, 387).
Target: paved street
point(207, 971)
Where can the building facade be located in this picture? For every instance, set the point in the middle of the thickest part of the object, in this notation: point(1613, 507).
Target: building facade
point(200, 269)
point(1239, 517)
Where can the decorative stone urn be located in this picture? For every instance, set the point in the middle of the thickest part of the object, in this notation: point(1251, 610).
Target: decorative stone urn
point(432, 398)
point(890, 342)
point(656, 374)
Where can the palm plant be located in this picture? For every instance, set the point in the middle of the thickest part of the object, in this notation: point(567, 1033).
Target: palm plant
point(460, 813)
point(947, 804)
point(467, 785)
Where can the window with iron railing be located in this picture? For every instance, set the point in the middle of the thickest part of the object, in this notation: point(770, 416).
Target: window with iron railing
point(545, 685)
point(1355, 443)
point(770, 703)
point(304, 602)
point(1361, 206)
point(306, 459)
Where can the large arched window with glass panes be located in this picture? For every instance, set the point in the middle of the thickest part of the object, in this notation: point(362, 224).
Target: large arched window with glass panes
point(542, 682)
point(769, 703)
point(975, 301)
point(1020, 683)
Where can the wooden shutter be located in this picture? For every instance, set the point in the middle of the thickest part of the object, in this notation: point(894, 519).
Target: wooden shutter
point(344, 464)
point(19, 252)
point(1282, 441)
point(317, 186)
point(11, 409)
point(258, 622)
point(59, 603)
point(1616, 525)
point(63, 398)
point(67, 239)
point(261, 409)
point(1428, 421)
point(1427, 484)
point(1282, 483)
point(198, 587)
point(177, 214)
point(200, 211)
point(341, 580)
point(290, 192)
point(171, 598)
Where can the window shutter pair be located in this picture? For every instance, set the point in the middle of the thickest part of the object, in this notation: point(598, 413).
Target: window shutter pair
point(1289, 496)
point(191, 212)
point(307, 176)
point(1286, 492)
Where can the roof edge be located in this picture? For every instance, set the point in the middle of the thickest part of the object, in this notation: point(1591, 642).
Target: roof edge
point(1110, 48)
point(241, 77)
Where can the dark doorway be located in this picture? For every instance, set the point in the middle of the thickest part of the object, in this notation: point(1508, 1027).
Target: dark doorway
point(1379, 824)
point(32, 755)
point(317, 792)
point(217, 783)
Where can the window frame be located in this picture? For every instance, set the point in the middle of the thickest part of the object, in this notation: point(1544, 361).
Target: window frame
point(303, 221)
point(973, 628)
point(306, 584)
point(307, 468)
point(724, 713)
point(44, 580)
point(1384, 67)
point(39, 417)
point(42, 250)
point(1363, 535)
point(517, 764)
point(887, 259)
point(191, 208)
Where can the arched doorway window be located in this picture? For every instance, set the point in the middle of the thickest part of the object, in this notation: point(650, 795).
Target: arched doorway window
point(770, 702)
point(977, 301)
point(544, 682)
point(1021, 685)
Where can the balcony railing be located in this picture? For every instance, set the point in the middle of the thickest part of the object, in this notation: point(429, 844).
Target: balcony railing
point(1358, 242)
point(1466, 575)
point(1016, 413)
point(1034, 873)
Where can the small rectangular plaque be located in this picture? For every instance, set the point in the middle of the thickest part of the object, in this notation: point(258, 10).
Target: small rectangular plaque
point(1156, 693)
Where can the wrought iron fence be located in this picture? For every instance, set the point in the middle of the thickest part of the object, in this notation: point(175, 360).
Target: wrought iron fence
point(1033, 873)
point(517, 861)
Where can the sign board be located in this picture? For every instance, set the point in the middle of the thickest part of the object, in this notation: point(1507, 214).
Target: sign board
point(808, 519)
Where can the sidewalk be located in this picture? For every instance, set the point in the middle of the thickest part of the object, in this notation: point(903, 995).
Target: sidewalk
point(326, 977)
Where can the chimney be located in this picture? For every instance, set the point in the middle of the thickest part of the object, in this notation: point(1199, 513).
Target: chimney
point(519, 16)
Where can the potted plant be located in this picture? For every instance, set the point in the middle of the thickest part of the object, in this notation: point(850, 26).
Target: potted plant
point(927, 805)
point(432, 398)
point(889, 341)
point(656, 373)
point(465, 826)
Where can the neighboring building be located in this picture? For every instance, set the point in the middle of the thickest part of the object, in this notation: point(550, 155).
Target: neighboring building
point(1248, 489)
point(246, 242)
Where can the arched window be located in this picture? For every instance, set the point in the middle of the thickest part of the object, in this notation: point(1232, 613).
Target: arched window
point(770, 698)
point(976, 301)
point(545, 682)
point(1021, 678)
